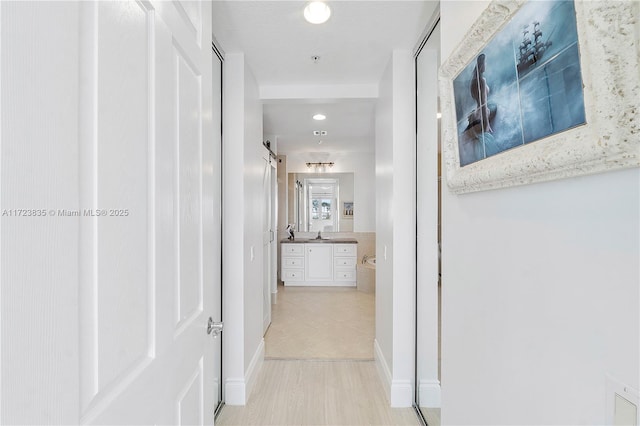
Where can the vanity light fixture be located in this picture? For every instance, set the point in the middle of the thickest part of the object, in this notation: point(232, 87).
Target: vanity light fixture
point(319, 117)
point(319, 167)
point(317, 12)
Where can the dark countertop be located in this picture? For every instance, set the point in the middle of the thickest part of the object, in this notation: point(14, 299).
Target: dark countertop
point(324, 240)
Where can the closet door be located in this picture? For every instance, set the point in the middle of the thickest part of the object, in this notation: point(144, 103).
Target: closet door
point(428, 291)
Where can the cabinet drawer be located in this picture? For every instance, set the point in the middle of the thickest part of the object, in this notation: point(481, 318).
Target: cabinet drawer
point(344, 262)
point(293, 275)
point(293, 249)
point(344, 275)
point(345, 249)
point(292, 262)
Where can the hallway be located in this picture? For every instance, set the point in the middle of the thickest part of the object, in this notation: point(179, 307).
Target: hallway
point(319, 367)
point(135, 235)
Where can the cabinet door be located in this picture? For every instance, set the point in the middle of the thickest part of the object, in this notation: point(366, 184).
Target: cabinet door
point(319, 262)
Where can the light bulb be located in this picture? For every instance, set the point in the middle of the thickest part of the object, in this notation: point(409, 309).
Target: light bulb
point(317, 12)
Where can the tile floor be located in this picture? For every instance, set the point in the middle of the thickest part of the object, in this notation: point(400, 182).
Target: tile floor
point(321, 323)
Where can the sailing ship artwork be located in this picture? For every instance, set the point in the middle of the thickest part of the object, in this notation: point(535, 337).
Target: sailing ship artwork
point(525, 84)
point(531, 51)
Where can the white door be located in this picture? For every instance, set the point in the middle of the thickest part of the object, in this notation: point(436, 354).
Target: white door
point(267, 240)
point(107, 131)
point(273, 273)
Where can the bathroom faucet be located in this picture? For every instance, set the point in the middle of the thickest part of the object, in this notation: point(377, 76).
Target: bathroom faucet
point(319, 237)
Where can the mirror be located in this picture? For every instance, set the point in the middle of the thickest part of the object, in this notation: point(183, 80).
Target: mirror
point(320, 202)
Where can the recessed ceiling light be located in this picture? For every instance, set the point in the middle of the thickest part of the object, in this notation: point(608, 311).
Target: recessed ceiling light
point(317, 12)
point(319, 117)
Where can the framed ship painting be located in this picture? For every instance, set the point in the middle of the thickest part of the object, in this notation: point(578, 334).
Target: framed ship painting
point(529, 94)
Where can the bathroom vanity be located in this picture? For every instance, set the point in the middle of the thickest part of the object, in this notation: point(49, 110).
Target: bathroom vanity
point(313, 262)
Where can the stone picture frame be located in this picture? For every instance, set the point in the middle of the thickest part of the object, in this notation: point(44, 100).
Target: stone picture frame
point(610, 139)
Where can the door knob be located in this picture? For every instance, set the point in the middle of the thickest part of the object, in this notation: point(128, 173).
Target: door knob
point(214, 328)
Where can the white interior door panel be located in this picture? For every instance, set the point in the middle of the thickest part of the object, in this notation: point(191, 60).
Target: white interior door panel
point(121, 290)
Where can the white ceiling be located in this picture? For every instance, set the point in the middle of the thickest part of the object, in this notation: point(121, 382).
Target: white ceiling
point(354, 46)
point(349, 126)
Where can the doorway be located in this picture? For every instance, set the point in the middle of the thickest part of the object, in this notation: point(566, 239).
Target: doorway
point(269, 225)
point(323, 322)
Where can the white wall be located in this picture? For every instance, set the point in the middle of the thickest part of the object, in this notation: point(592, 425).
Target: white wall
point(242, 233)
point(39, 297)
point(362, 164)
point(254, 167)
point(395, 228)
point(384, 224)
point(540, 291)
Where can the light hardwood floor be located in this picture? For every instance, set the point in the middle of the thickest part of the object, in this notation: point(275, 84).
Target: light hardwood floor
point(304, 392)
point(319, 367)
point(431, 415)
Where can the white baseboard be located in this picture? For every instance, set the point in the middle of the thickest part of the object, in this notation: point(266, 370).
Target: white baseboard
point(401, 393)
point(234, 392)
point(429, 393)
point(383, 368)
point(237, 390)
point(254, 367)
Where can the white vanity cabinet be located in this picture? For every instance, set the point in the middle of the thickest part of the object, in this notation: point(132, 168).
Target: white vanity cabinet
point(344, 262)
point(292, 265)
point(319, 264)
